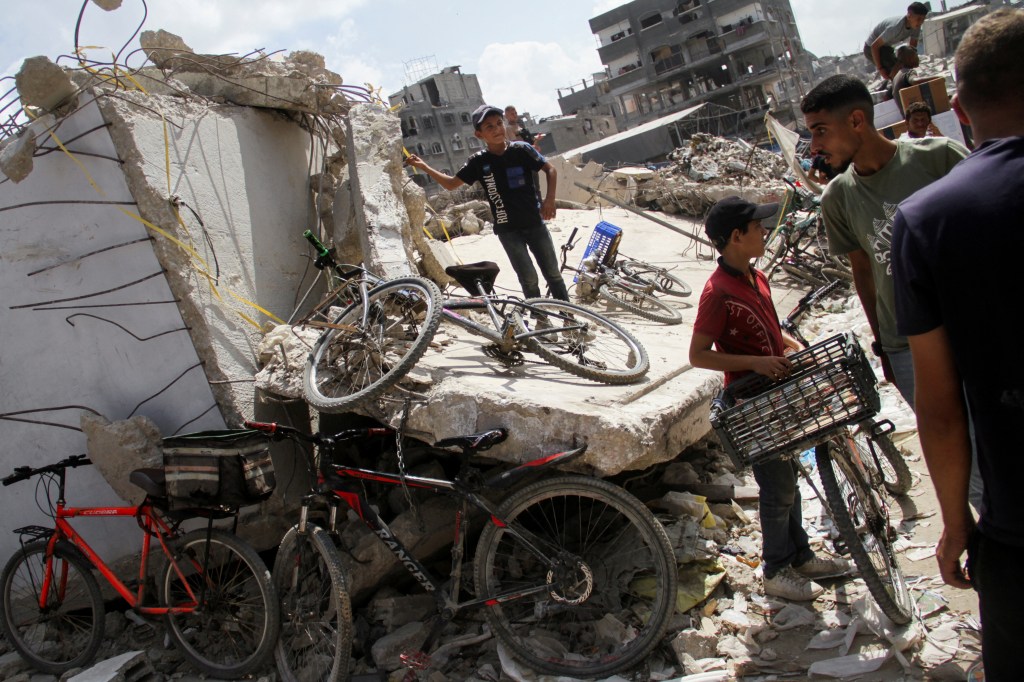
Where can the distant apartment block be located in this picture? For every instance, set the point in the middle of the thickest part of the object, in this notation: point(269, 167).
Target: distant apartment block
point(664, 56)
point(436, 123)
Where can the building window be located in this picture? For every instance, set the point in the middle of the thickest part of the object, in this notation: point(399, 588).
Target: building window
point(465, 117)
point(457, 142)
point(411, 125)
point(474, 143)
point(428, 123)
point(420, 149)
point(448, 119)
point(650, 20)
point(436, 148)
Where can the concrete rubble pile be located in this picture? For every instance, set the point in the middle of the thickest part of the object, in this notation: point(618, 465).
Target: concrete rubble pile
point(708, 169)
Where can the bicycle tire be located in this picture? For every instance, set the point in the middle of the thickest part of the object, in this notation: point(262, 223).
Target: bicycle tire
point(603, 352)
point(863, 523)
point(774, 249)
point(894, 474)
point(65, 635)
point(639, 303)
point(350, 366)
point(628, 559)
point(315, 644)
point(660, 278)
point(837, 273)
point(233, 630)
point(803, 273)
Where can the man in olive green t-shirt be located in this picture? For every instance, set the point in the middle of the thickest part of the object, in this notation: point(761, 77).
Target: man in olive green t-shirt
point(859, 204)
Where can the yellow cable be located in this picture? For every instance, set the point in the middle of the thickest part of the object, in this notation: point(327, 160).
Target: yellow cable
point(80, 165)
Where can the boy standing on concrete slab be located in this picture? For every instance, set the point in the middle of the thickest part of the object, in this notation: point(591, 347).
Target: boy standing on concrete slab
point(505, 170)
point(736, 315)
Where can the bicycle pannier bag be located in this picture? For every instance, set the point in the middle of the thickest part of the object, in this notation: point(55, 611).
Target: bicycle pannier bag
point(229, 468)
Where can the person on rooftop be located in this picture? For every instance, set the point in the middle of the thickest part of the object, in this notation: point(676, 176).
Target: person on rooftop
point(878, 48)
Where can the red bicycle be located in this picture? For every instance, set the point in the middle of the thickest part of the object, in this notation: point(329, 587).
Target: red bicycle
point(214, 590)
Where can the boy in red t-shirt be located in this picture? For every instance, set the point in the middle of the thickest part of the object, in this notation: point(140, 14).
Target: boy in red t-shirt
point(737, 316)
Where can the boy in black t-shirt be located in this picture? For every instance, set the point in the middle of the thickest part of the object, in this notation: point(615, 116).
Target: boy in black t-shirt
point(505, 170)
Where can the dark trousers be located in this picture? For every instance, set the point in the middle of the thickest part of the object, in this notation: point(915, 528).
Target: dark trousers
point(783, 538)
point(887, 55)
point(518, 244)
point(995, 570)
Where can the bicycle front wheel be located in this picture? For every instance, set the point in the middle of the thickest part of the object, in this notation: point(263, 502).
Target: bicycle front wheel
point(894, 472)
point(233, 616)
point(373, 344)
point(606, 565)
point(863, 522)
point(67, 631)
point(594, 347)
point(316, 614)
point(660, 278)
point(639, 303)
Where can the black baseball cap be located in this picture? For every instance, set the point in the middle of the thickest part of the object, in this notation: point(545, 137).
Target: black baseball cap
point(482, 112)
point(734, 212)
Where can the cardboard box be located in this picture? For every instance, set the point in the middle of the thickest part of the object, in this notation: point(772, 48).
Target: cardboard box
point(887, 113)
point(894, 131)
point(932, 91)
point(949, 125)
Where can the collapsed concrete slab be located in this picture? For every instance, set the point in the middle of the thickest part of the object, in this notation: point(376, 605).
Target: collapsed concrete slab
point(45, 87)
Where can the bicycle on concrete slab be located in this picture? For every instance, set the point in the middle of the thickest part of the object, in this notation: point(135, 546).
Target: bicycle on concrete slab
point(598, 276)
point(558, 559)
point(213, 591)
point(871, 437)
point(831, 386)
point(387, 326)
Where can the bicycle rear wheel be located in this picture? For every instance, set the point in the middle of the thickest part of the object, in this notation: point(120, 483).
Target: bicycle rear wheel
point(316, 628)
point(600, 351)
point(607, 564)
point(232, 630)
point(639, 303)
point(67, 632)
point(863, 522)
point(353, 364)
point(660, 278)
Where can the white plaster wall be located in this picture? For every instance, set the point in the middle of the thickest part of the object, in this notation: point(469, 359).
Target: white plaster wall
point(50, 220)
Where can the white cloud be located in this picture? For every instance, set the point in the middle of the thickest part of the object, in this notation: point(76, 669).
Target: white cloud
point(602, 6)
point(528, 74)
point(834, 27)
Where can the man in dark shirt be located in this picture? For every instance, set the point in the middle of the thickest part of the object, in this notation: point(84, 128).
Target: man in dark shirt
point(506, 171)
point(955, 250)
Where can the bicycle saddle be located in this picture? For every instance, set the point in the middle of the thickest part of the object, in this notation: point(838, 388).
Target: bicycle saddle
point(474, 442)
point(469, 274)
point(151, 480)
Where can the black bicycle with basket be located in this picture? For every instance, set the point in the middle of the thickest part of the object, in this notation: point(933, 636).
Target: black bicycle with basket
point(830, 387)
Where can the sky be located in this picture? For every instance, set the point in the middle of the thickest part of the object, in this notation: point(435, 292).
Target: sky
point(521, 52)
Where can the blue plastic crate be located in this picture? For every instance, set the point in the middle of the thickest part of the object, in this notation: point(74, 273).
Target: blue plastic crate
point(604, 236)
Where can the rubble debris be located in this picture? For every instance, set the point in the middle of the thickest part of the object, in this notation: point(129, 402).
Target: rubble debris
point(107, 5)
point(118, 448)
point(45, 87)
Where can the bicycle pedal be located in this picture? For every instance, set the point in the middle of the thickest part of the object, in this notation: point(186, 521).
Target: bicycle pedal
point(415, 660)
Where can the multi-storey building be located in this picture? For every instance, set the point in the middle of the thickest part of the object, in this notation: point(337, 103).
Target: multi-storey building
point(436, 123)
point(663, 56)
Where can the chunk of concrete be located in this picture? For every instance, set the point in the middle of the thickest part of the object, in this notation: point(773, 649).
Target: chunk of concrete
point(396, 611)
point(118, 448)
point(696, 643)
point(44, 86)
point(16, 155)
point(107, 5)
point(376, 175)
point(387, 650)
point(133, 666)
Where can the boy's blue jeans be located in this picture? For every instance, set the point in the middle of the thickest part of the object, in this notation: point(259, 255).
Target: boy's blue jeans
point(518, 244)
point(783, 538)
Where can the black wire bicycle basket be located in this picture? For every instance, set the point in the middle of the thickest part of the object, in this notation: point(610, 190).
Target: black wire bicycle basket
point(831, 386)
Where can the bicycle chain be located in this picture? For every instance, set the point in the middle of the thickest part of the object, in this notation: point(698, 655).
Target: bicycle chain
point(399, 438)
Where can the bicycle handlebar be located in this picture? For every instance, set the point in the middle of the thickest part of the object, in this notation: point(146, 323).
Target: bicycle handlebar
point(321, 250)
point(280, 431)
point(22, 473)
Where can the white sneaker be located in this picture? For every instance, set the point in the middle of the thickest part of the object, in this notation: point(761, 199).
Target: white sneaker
point(788, 584)
point(819, 567)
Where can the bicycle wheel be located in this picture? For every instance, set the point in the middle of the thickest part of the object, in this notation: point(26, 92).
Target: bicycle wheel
point(774, 250)
point(316, 618)
point(863, 522)
point(639, 303)
point(67, 632)
point(601, 351)
point(607, 564)
point(894, 472)
point(660, 278)
point(234, 626)
point(355, 364)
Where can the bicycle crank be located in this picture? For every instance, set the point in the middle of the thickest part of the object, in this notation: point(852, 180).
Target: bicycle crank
point(511, 358)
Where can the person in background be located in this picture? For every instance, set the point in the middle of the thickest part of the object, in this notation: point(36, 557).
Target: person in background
point(506, 172)
point(903, 76)
point(878, 48)
point(919, 122)
point(954, 259)
point(515, 131)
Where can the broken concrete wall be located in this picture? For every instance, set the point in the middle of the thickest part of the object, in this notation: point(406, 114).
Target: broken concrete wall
point(88, 324)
